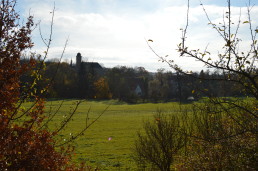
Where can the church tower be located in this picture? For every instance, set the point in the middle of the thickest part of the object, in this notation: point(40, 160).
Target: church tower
point(71, 63)
point(78, 61)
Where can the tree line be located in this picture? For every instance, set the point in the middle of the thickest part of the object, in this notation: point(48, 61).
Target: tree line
point(121, 82)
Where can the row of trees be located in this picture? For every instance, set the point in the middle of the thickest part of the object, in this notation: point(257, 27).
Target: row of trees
point(120, 83)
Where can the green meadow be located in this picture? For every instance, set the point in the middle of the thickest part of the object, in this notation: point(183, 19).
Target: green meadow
point(108, 143)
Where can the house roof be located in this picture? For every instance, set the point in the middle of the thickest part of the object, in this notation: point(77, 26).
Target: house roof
point(95, 65)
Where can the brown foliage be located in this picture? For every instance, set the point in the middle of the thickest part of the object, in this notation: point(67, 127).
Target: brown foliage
point(102, 89)
point(24, 144)
point(217, 142)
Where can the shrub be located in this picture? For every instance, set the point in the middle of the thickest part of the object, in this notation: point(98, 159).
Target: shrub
point(160, 142)
point(217, 142)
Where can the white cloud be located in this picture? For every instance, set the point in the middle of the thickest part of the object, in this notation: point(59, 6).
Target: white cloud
point(118, 38)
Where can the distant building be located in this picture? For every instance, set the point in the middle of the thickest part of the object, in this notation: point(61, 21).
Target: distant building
point(78, 61)
point(137, 86)
point(138, 91)
point(88, 67)
point(190, 98)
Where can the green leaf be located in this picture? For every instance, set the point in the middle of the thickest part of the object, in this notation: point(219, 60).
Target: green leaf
point(245, 22)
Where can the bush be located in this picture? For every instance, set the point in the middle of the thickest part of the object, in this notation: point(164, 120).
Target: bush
point(217, 142)
point(160, 142)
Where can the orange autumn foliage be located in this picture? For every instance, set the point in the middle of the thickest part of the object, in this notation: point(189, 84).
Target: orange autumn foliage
point(102, 89)
point(24, 143)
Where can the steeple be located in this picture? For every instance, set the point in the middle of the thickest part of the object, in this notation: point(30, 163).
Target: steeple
point(71, 63)
point(78, 60)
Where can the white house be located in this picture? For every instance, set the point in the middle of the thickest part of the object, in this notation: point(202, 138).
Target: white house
point(138, 90)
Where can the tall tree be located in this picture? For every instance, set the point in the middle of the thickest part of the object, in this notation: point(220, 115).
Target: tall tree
point(223, 127)
point(25, 142)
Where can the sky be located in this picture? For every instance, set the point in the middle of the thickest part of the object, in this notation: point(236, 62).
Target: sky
point(114, 32)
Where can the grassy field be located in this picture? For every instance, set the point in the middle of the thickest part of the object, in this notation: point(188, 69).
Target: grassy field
point(119, 123)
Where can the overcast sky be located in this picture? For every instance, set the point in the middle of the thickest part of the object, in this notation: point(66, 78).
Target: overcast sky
point(113, 32)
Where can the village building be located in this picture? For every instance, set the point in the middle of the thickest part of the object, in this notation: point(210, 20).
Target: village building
point(138, 90)
point(87, 67)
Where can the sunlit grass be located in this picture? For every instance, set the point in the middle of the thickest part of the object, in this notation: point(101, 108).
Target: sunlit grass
point(108, 142)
